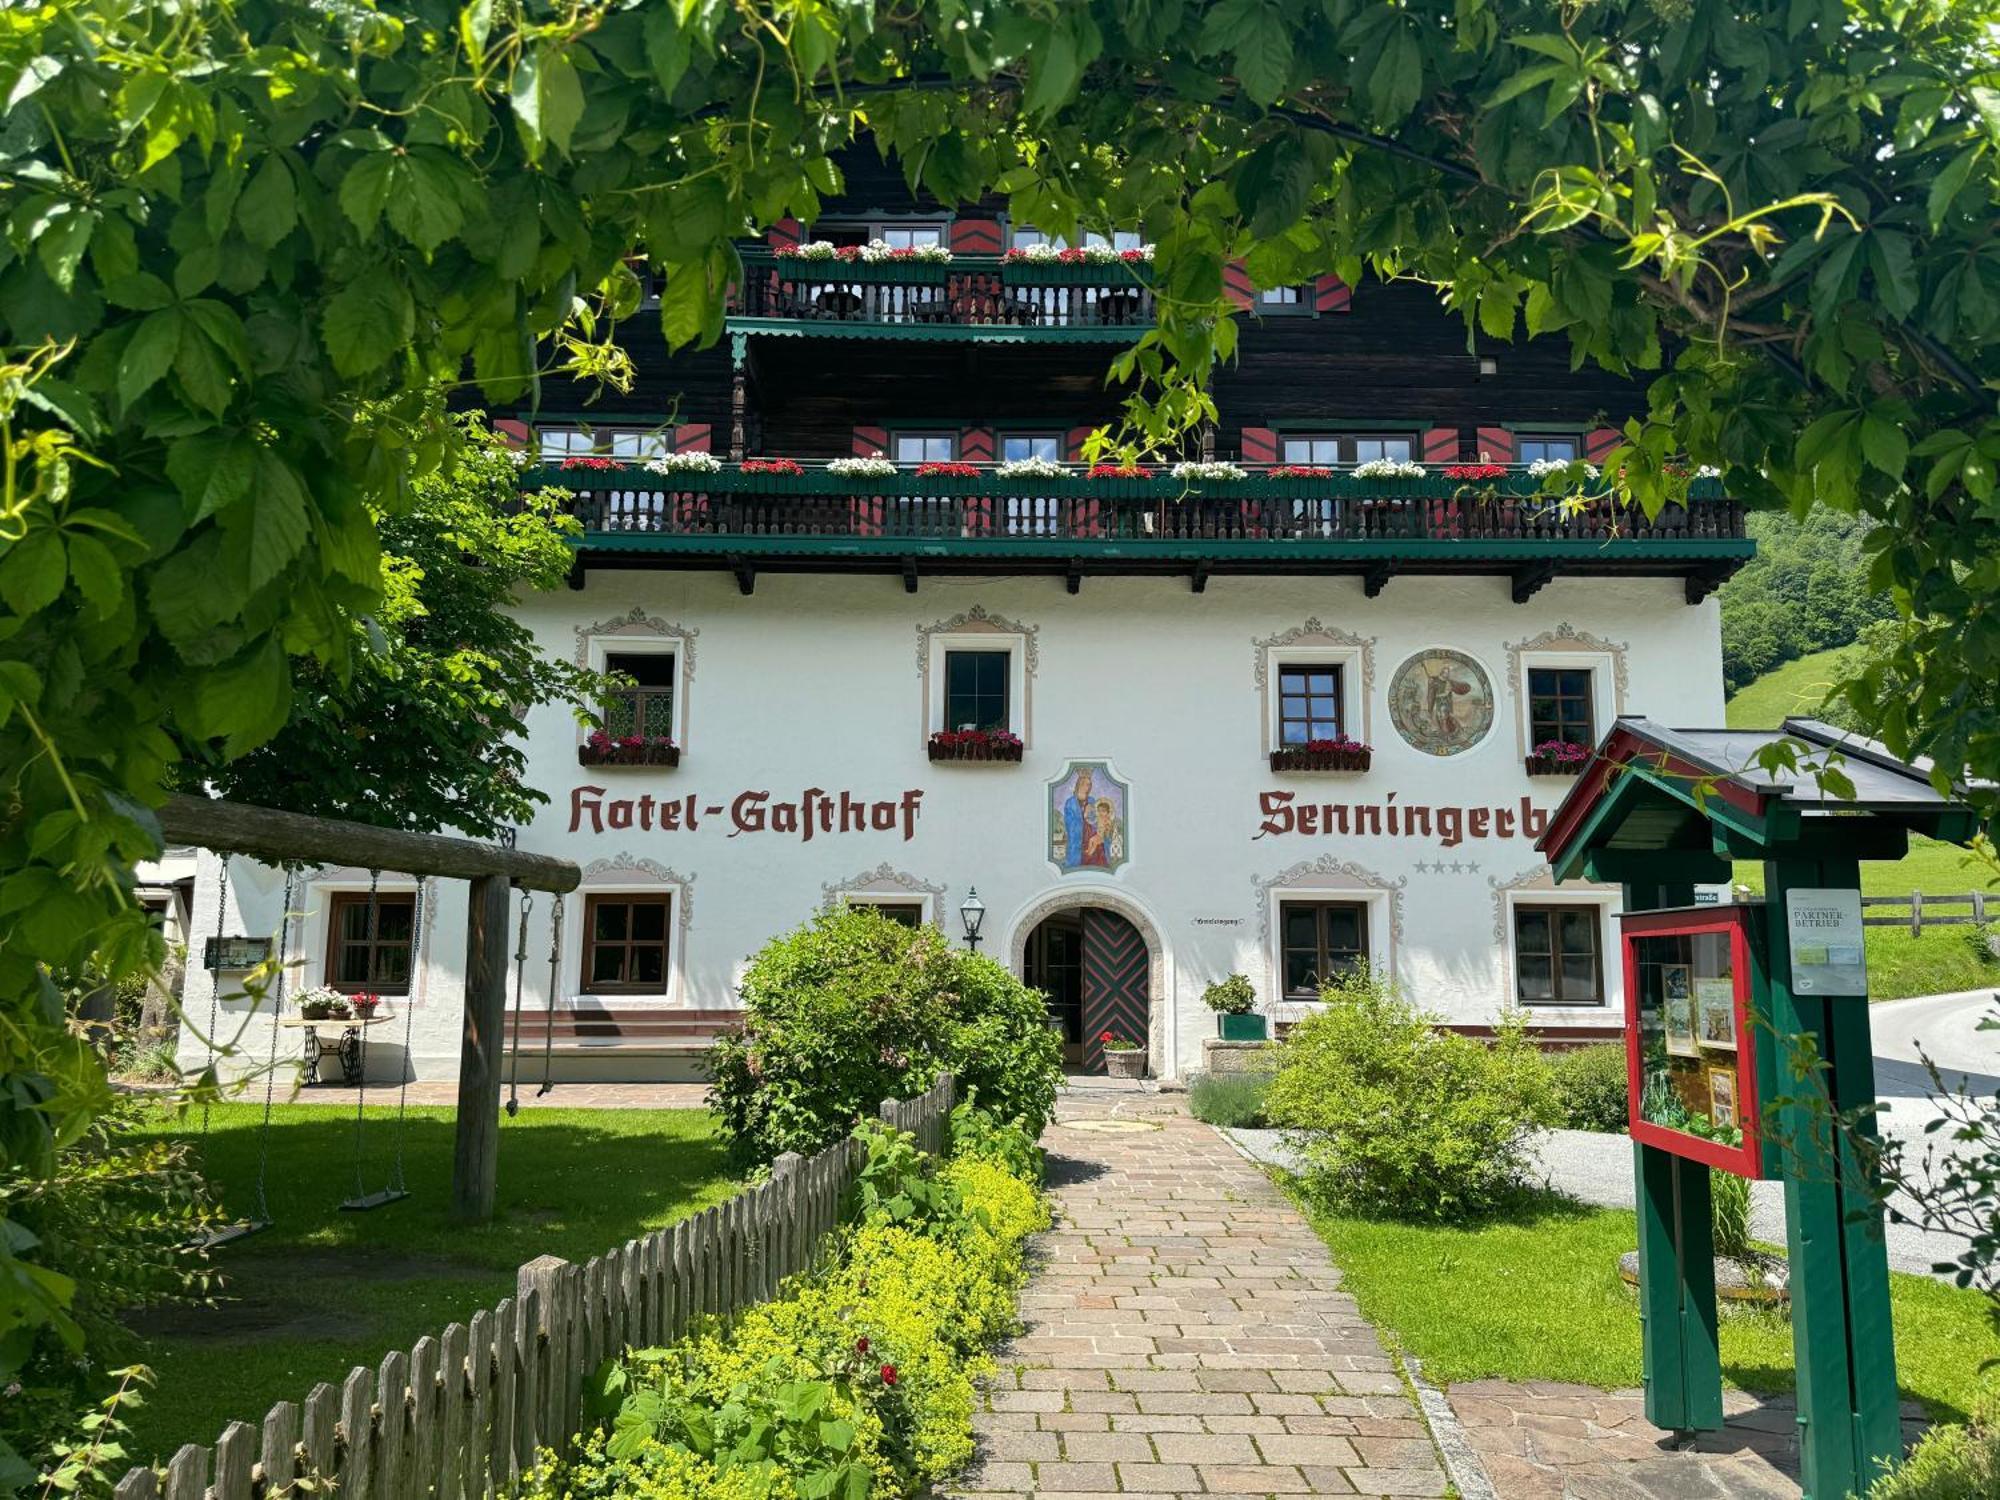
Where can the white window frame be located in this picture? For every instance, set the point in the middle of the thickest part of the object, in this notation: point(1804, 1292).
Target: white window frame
point(924, 901)
point(1612, 1009)
point(1381, 950)
point(1603, 667)
point(570, 988)
point(1302, 304)
point(1353, 708)
point(1012, 642)
point(603, 647)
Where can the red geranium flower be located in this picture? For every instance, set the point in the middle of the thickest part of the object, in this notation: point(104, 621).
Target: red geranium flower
point(1300, 471)
point(770, 466)
point(861, 1345)
point(1476, 471)
point(587, 462)
point(1118, 471)
point(888, 1374)
point(949, 470)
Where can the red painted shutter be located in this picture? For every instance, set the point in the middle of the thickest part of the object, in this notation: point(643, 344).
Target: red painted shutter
point(1600, 441)
point(1260, 445)
point(1496, 445)
point(1236, 285)
point(975, 237)
point(1332, 295)
point(975, 445)
point(784, 235)
point(1074, 440)
point(692, 437)
point(1441, 445)
point(870, 441)
point(515, 434)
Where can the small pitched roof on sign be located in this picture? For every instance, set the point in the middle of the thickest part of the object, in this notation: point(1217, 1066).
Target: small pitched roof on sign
point(1699, 795)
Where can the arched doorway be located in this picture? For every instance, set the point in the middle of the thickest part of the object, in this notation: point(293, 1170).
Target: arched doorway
point(1095, 968)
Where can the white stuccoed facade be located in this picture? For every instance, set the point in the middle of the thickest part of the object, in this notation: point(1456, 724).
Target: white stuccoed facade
point(819, 685)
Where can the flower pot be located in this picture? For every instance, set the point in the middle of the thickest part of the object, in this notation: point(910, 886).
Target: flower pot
point(1129, 1062)
point(1548, 765)
point(1293, 758)
point(1249, 1027)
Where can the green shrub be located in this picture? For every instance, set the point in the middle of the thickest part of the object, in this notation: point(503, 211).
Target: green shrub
point(858, 1382)
point(1950, 1462)
point(1729, 1211)
point(980, 1135)
point(1234, 996)
point(1235, 1101)
point(1391, 1115)
point(852, 1009)
point(1591, 1087)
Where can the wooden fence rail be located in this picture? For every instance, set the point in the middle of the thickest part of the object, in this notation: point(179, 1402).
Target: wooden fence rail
point(1923, 910)
point(462, 1415)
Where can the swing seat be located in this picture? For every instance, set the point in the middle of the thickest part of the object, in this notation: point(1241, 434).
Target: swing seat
point(229, 1234)
point(367, 1201)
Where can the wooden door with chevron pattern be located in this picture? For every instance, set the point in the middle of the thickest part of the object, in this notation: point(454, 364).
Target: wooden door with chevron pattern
point(1115, 980)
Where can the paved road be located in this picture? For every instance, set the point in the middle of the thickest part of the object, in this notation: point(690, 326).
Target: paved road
point(1598, 1168)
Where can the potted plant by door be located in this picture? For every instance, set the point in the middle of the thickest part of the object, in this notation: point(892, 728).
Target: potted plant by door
point(1123, 1057)
point(1235, 1003)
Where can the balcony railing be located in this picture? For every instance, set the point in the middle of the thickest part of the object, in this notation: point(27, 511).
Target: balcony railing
point(989, 510)
point(897, 297)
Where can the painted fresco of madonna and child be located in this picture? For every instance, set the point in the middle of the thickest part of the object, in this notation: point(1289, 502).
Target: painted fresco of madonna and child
point(1087, 818)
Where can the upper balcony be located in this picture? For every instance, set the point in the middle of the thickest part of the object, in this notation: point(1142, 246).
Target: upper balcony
point(776, 515)
point(961, 298)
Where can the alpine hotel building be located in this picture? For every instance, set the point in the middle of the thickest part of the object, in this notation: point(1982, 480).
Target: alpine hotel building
point(1273, 721)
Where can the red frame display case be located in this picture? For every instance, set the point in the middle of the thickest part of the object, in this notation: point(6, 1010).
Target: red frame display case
point(1742, 925)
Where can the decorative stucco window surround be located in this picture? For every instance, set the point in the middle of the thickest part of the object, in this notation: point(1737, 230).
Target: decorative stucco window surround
point(1326, 879)
point(976, 630)
point(886, 885)
point(1534, 886)
point(1566, 646)
point(1315, 644)
point(311, 930)
point(636, 631)
point(618, 874)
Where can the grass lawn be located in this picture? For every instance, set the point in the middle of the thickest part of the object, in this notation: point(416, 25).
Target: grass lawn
point(1795, 689)
point(1537, 1297)
point(322, 1291)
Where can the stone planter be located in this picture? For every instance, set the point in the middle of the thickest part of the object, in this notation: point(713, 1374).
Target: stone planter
point(1125, 1062)
point(1292, 758)
point(1248, 1027)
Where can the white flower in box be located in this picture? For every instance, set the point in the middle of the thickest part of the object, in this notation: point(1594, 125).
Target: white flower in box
point(1573, 468)
point(813, 250)
point(684, 463)
point(1388, 468)
point(872, 467)
point(1031, 468)
point(1212, 470)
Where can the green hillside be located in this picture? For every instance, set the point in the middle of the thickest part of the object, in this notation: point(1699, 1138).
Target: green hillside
point(1941, 958)
point(1797, 688)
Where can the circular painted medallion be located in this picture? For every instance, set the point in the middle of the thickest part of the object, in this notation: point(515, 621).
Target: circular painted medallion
point(1441, 701)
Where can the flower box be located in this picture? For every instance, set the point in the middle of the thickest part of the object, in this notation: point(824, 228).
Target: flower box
point(975, 745)
point(902, 272)
point(1307, 758)
point(1248, 1027)
point(621, 754)
point(1553, 765)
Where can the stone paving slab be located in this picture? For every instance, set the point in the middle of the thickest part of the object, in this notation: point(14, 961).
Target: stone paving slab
point(1185, 1334)
point(1543, 1440)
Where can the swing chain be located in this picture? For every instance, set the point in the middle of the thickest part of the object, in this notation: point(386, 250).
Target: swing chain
point(409, 1018)
point(361, 1058)
point(263, 1214)
point(520, 968)
point(549, 1031)
point(215, 981)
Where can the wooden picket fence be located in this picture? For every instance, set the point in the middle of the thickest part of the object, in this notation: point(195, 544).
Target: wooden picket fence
point(462, 1415)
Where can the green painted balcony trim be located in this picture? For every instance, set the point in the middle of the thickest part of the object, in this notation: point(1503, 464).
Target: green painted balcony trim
point(907, 484)
point(1084, 549)
point(937, 333)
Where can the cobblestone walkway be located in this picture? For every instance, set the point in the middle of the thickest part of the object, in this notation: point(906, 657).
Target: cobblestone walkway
point(1186, 1334)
